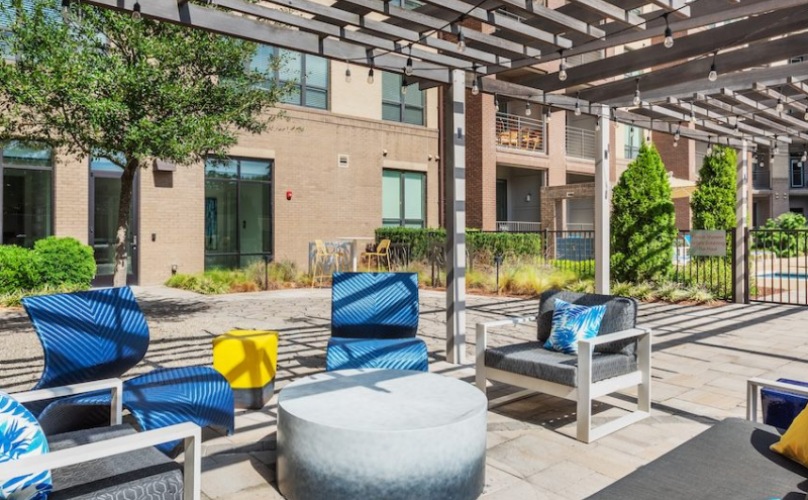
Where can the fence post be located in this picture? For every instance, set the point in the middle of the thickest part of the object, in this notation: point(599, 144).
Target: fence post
point(740, 277)
point(747, 289)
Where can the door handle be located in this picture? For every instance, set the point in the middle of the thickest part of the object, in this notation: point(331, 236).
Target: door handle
point(244, 224)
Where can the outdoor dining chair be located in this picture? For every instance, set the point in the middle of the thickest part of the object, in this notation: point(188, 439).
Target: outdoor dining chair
point(382, 252)
point(100, 334)
point(374, 322)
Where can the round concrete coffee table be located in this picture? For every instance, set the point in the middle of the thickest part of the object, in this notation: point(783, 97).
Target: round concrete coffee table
point(381, 434)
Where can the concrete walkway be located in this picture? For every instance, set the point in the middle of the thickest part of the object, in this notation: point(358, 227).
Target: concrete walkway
point(702, 357)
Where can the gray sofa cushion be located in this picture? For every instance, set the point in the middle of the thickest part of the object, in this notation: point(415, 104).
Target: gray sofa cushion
point(533, 360)
point(729, 460)
point(142, 474)
point(621, 314)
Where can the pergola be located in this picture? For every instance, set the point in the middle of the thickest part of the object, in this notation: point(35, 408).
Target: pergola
point(716, 83)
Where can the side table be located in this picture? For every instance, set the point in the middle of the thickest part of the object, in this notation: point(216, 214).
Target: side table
point(248, 360)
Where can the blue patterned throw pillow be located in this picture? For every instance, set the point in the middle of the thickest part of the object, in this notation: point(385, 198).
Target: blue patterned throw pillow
point(572, 323)
point(20, 436)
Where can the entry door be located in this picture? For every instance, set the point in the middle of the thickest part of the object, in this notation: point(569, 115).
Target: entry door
point(502, 200)
point(105, 189)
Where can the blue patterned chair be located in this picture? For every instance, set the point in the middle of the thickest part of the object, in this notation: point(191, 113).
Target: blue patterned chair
point(101, 334)
point(619, 357)
point(374, 320)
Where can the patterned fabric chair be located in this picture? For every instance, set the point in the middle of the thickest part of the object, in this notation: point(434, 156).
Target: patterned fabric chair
point(113, 462)
point(618, 358)
point(374, 320)
point(101, 334)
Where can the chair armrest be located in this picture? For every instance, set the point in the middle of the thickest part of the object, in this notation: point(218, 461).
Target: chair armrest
point(192, 468)
point(482, 329)
point(114, 384)
point(615, 336)
point(753, 386)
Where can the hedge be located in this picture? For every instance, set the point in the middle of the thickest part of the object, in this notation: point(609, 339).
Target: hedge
point(53, 262)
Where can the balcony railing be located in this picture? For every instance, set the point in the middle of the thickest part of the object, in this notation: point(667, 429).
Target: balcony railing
point(519, 132)
point(631, 151)
point(580, 143)
point(761, 179)
point(515, 226)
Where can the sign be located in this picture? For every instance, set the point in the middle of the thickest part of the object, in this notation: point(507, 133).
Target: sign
point(705, 243)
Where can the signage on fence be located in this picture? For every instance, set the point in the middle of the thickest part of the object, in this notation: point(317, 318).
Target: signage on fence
point(704, 243)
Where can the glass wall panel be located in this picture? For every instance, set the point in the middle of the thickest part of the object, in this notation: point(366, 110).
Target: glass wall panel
point(27, 209)
point(256, 223)
point(391, 196)
point(406, 108)
point(413, 196)
point(403, 197)
point(221, 204)
point(106, 199)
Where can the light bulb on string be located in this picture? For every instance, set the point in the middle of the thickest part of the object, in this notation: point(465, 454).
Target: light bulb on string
point(461, 40)
point(709, 145)
point(496, 102)
point(528, 111)
point(637, 99)
point(562, 68)
point(804, 156)
point(370, 76)
point(136, 15)
point(597, 125)
point(692, 115)
point(66, 10)
point(805, 117)
point(348, 74)
point(780, 106)
point(776, 146)
point(713, 74)
point(404, 85)
point(408, 70)
point(668, 43)
point(577, 107)
point(475, 87)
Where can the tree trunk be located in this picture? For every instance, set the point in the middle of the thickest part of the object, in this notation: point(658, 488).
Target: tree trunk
point(124, 207)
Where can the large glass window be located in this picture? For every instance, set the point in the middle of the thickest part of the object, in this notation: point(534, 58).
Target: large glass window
point(401, 107)
point(26, 173)
point(238, 212)
point(308, 73)
point(403, 198)
point(633, 142)
point(797, 173)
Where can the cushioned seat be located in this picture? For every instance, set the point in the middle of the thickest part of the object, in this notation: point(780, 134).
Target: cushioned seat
point(532, 360)
point(392, 354)
point(144, 473)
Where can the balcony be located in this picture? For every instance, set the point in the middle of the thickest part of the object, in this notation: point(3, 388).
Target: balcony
point(761, 179)
point(512, 226)
point(515, 132)
point(580, 143)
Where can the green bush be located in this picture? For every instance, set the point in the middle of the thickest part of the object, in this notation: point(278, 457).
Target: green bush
point(18, 270)
point(14, 298)
point(643, 220)
point(713, 202)
point(64, 261)
point(780, 235)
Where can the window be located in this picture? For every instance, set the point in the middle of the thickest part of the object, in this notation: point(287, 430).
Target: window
point(407, 4)
point(238, 212)
point(398, 106)
point(309, 74)
point(633, 142)
point(26, 173)
point(797, 174)
point(403, 198)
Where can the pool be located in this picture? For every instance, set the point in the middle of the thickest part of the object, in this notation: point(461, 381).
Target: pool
point(796, 276)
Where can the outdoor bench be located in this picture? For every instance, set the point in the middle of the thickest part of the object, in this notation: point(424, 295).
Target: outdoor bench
point(731, 459)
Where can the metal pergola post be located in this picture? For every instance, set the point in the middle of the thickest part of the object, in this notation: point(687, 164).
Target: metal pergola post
point(602, 201)
point(740, 228)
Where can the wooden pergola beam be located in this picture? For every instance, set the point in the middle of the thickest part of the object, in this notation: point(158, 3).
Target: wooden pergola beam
point(762, 109)
point(678, 7)
point(614, 12)
point(706, 116)
point(728, 109)
point(542, 14)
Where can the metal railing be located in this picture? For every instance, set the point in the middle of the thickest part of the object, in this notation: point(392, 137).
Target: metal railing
point(761, 179)
point(778, 265)
point(713, 273)
point(580, 143)
point(580, 227)
point(570, 250)
point(519, 132)
point(515, 226)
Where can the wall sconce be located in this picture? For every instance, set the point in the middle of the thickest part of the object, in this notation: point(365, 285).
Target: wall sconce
point(528, 197)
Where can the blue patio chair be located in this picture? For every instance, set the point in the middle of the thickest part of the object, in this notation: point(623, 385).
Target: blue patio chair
point(101, 334)
point(374, 320)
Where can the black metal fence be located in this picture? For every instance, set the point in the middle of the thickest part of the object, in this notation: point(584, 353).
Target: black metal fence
point(570, 250)
point(715, 273)
point(778, 265)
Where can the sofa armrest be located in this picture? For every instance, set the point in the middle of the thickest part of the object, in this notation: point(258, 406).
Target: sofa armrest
point(631, 333)
point(482, 329)
point(115, 385)
point(753, 387)
point(586, 349)
point(192, 467)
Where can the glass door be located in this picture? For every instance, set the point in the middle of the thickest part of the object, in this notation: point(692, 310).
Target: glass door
point(105, 189)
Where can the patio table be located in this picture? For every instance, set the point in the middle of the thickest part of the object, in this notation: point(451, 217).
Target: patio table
point(389, 434)
point(355, 248)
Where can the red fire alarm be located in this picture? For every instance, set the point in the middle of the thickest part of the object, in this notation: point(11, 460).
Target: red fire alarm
point(288, 195)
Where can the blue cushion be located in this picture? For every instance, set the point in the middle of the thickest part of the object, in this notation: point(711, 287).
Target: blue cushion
point(572, 323)
point(20, 436)
point(391, 354)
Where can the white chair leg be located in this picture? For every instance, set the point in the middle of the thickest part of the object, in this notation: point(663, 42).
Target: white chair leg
point(644, 362)
point(584, 399)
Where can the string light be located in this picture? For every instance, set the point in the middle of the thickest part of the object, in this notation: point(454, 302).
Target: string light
point(496, 102)
point(578, 105)
point(713, 75)
point(66, 10)
point(692, 115)
point(677, 135)
point(136, 12)
point(547, 115)
point(597, 125)
point(804, 156)
point(637, 100)
point(780, 106)
point(562, 67)
point(528, 111)
point(805, 117)
point(461, 40)
point(614, 117)
point(709, 145)
point(370, 75)
point(475, 88)
point(404, 84)
point(408, 70)
point(776, 146)
point(348, 73)
point(668, 43)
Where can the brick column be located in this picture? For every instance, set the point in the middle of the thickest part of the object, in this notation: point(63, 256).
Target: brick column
point(481, 162)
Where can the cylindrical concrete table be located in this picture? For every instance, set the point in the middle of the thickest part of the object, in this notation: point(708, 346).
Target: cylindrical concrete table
point(381, 434)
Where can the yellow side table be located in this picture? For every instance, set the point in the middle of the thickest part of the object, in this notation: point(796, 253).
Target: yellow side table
point(248, 360)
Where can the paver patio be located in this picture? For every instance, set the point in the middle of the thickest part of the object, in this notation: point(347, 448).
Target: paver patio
point(701, 359)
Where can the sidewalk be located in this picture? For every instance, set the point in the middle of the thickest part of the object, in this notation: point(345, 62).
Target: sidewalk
point(701, 359)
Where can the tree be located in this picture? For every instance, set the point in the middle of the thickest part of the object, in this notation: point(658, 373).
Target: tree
point(643, 220)
point(713, 202)
point(108, 85)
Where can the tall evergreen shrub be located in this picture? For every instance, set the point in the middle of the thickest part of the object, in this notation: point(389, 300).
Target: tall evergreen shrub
point(713, 202)
point(643, 220)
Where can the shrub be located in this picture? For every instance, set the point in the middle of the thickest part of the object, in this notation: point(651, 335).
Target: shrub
point(713, 202)
point(279, 274)
point(14, 298)
point(18, 270)
point(780, 235)
point(643, 220)
point(62, 261)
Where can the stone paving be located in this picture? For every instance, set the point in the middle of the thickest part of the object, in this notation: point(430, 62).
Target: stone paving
point(701, 359)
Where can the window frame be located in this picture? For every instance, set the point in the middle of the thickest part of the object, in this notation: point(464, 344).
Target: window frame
point(402, 221)
point(301, 85)
point(402, 104)
point(792, 181)
point(51, 168)
point(630, 150)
